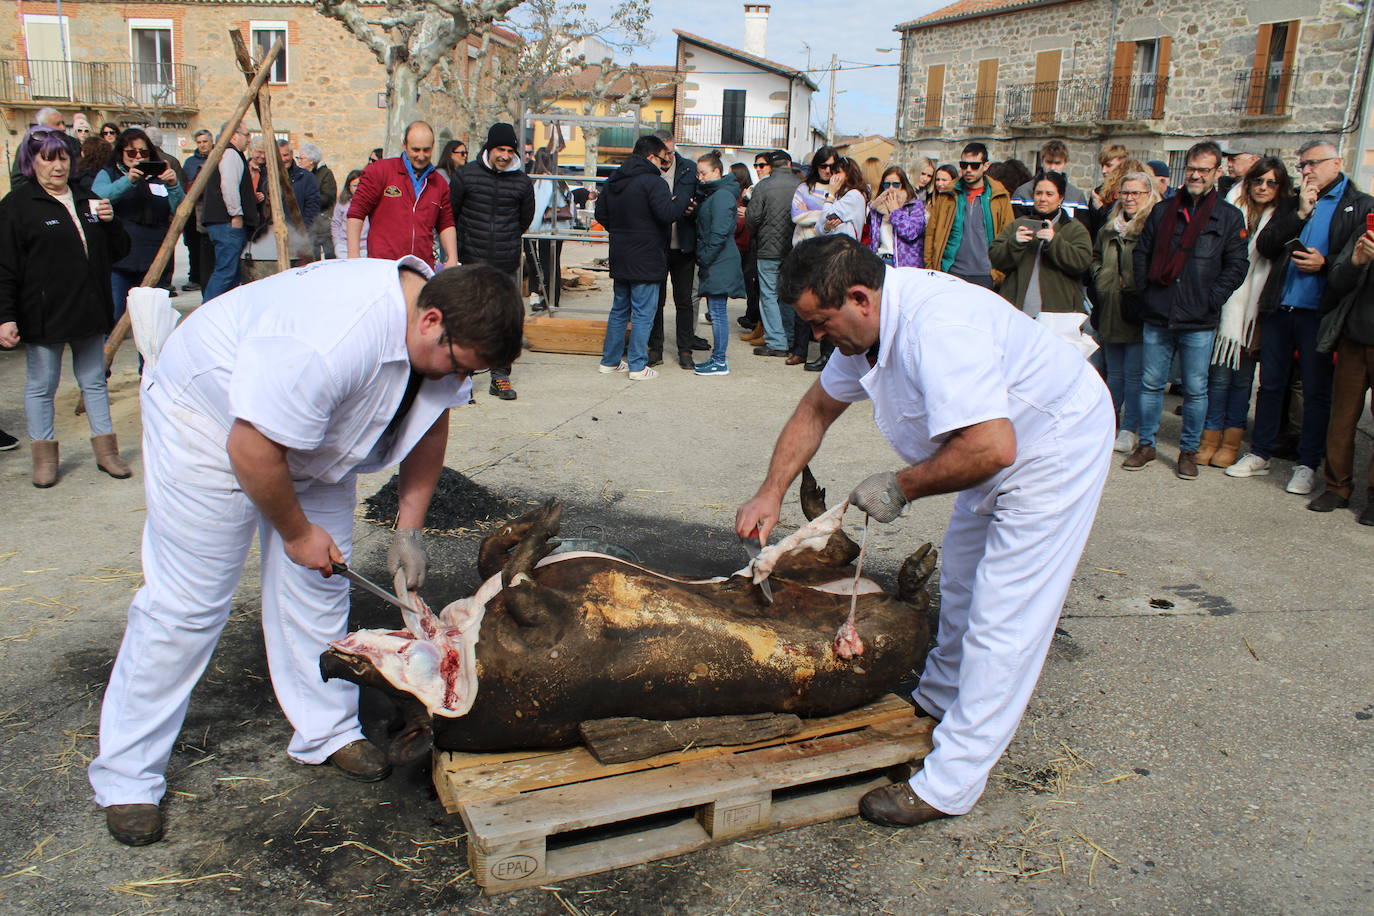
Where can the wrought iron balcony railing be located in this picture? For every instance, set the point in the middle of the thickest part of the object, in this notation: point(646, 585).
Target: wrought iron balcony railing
point(1071, 101)
point(719, 130)
point(108, 84)
point(1264, 93)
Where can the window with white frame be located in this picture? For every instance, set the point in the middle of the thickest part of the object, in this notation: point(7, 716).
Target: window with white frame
point(262, 36)
point(150, 50)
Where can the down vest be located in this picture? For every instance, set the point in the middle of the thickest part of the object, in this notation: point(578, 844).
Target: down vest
point(491, 210)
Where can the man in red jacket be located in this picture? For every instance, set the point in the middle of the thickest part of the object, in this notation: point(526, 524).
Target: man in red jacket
point(406, 202)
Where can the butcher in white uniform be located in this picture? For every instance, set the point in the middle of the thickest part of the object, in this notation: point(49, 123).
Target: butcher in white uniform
point(977, 399)
point(262, 410)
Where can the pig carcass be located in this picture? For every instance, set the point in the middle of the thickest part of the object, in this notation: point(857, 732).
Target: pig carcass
point(550, 641)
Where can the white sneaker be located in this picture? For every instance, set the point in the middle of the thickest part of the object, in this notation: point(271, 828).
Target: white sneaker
point(607, 370)
point(1250, 465)
point(1303, 481)
point(1125, 442)
point(643, 374)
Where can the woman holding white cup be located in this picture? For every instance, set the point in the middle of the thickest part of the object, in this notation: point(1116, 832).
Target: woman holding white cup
point(57, 243)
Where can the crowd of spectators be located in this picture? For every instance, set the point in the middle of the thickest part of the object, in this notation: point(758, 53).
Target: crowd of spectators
point(1243, 274)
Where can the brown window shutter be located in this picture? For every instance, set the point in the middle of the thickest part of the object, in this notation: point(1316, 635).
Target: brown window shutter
point(1119, 95)
point(1290, 48)
point(985, 102)
point(1162, 76)
point(1045, 92)
point(1254, 100)
point(935, 95)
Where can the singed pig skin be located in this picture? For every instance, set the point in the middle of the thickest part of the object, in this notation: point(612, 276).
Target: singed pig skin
point(591, 637)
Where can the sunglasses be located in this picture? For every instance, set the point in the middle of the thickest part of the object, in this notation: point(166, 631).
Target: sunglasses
point(1268, 182)
point(890, 184)
point(760, 165)
point(134, 153)
point(832, 166)
point(970, 165)
point(109, 133)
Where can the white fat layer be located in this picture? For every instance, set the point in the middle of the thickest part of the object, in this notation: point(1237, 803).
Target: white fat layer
point(585, 554)
point(813, 535)
point(847, 587)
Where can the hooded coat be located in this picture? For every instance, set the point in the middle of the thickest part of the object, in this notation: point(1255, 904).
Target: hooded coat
point(717, 255)
point(492, 210)
point(637, 210)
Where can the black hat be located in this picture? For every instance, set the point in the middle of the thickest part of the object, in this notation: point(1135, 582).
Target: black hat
point(502, 134)
point(779, 157)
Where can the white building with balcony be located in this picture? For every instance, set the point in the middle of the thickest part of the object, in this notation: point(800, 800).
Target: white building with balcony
point(737, 101)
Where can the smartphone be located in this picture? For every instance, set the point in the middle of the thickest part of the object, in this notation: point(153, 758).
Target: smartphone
point(152, 167)
point(1294, 246)
point(1369, 222)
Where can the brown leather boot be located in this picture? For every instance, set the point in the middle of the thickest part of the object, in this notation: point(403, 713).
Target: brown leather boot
point(1211, 441)
point(755, 336)
point(44, 463)
point(134, 825)
point(107, 458)
point(361, 760)
point(1229, 450)
point(896, 805)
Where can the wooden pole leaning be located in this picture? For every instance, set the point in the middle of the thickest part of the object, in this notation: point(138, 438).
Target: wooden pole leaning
point(188, 205)
point(278, 179)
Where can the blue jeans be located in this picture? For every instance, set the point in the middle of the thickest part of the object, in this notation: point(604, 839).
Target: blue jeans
point(1123, 381)
point(632, 304)
point(720, 328)
point(44, 364)
point(1228, 395)
point(1194, 349)
point(776, 316)
point(1280, 334)
point(228, 243)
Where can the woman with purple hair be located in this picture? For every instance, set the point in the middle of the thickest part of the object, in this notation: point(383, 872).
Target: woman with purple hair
point(57, 242)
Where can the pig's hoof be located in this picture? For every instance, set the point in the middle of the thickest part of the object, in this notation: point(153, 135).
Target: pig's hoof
point(896, 805)
point(134, 825)
point(362, 760)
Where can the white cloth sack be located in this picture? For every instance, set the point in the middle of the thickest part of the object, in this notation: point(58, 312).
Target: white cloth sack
point(1068, 326)
point(152, 318)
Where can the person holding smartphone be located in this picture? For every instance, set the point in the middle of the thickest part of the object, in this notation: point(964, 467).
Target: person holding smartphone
point(1324, 216)
point(144, 192)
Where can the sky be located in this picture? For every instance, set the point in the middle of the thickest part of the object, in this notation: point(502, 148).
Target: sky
point(866, 99)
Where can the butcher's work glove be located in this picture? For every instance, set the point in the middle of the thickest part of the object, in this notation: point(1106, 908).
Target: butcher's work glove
point(880, 496)
point(407, 552)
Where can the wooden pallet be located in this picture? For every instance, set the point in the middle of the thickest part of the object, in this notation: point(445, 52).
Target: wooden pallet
point(538, 817)
point(565, 335)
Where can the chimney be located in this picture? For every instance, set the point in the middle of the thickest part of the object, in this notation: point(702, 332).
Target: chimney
point(756, 29)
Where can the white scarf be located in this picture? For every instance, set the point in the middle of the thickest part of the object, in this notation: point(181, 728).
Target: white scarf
point(1238, 315)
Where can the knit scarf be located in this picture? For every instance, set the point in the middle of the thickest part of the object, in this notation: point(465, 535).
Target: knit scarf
point(1236, 326)
point(1167, 262)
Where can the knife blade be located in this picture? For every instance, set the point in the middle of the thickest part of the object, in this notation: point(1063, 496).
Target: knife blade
point(752, 548)
point(370, 586)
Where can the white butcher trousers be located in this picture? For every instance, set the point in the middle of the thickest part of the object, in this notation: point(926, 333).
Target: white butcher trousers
point(195, 543)
point(1005, 567)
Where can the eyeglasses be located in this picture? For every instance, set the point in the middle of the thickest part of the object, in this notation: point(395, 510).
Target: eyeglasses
point(832, 166)
point(134, 152)
point(1132, 193)
point(459, 372)
point(890, 184)
point(109, 133)
point(1267, 182)
point(461, 152)
point(1195, 170)
point(760, 165)
point(966, 166)
point(1305, 164)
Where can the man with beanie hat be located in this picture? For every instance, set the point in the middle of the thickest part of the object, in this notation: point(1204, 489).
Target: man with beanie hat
point(493, 205)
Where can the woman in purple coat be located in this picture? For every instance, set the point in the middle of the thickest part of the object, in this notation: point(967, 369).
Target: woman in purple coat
point(897, 221)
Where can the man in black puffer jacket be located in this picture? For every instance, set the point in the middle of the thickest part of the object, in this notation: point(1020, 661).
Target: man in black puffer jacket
point(493, 206)
point(637, 210)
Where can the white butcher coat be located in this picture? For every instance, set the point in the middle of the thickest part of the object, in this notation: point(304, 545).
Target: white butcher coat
point(952, 354)
point(315, 358)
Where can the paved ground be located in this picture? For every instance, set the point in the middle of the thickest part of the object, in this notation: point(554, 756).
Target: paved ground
point(1200, 742)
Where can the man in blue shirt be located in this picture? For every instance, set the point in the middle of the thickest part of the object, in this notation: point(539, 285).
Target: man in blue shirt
point(1323, 217)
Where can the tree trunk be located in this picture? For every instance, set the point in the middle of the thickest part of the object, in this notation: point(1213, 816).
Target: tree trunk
point(402, 89)
point(592, 143)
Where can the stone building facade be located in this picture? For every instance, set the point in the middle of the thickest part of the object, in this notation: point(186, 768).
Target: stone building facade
point(172, 62)
point(1156, 76)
